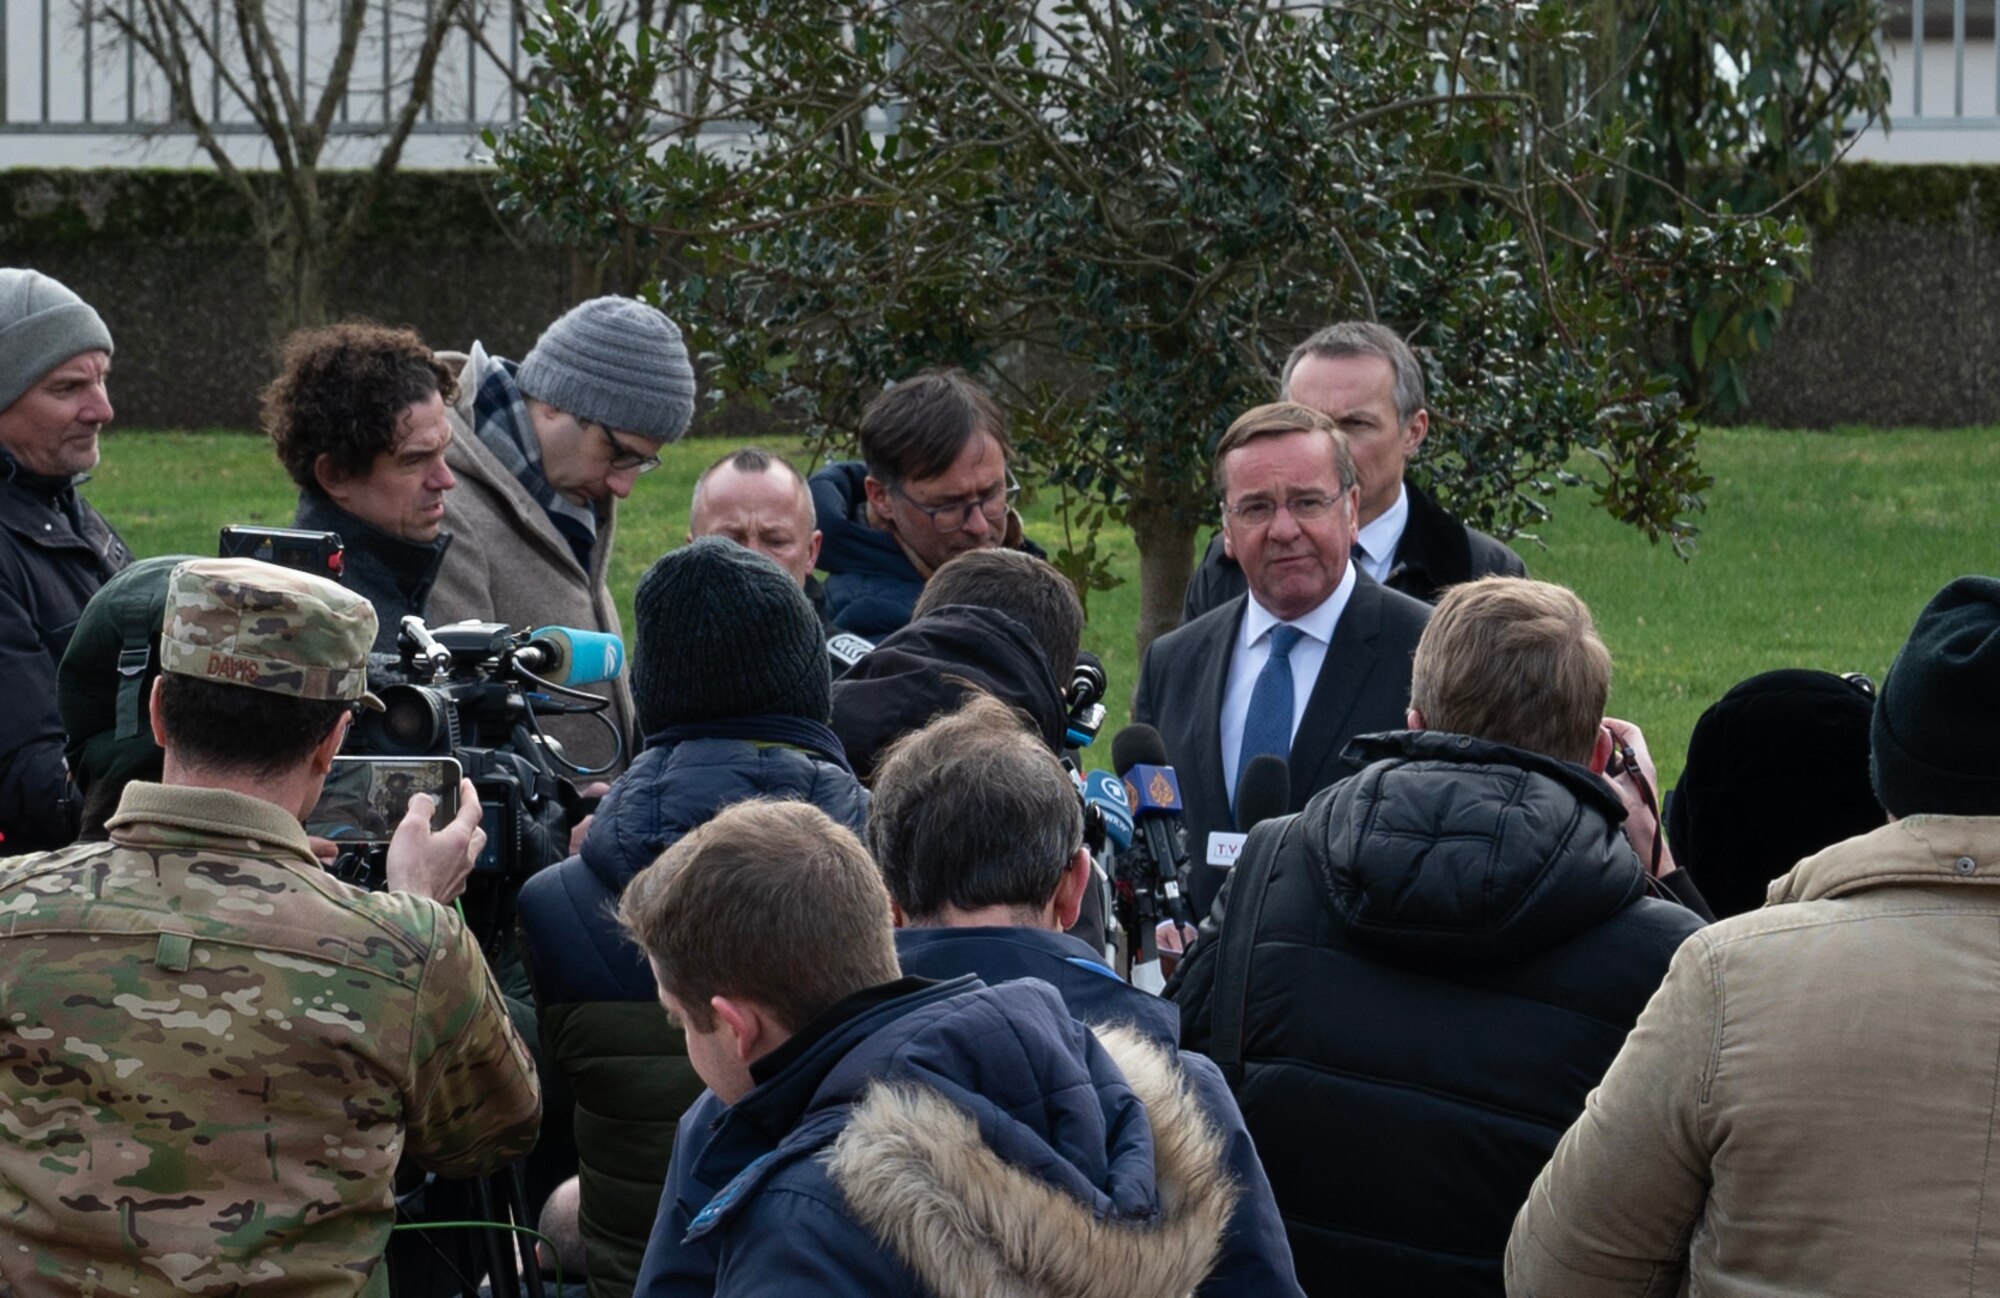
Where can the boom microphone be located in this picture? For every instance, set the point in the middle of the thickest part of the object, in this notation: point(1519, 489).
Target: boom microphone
point(566, 656)
point(1264, 791)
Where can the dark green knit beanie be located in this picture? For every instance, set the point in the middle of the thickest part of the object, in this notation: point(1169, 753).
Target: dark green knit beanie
point(1934, 742)
point(725, 632)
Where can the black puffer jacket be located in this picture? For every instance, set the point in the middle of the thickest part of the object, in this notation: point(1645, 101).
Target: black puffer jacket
point(55, 551)
point(1450, 951)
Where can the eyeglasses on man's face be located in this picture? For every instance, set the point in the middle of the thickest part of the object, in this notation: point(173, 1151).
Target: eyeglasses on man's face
point(1261, 512)
point(953, 517)
point(624, 457)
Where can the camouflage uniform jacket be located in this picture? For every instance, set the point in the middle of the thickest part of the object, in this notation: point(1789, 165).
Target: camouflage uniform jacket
point(212, 1054)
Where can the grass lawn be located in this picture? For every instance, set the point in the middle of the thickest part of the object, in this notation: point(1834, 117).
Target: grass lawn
point(1817, 550)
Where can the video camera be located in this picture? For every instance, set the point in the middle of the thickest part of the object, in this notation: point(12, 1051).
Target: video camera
point(474, 692)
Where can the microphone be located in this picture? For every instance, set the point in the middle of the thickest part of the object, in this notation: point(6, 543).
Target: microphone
point(1106, 792)
point(1085, 699)
point(1154, 792)
point(1263, 791)
point(566, 656)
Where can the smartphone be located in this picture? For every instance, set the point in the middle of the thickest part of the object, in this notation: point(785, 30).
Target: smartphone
point(365, 797)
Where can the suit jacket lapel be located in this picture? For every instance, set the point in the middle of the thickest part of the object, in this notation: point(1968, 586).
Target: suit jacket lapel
point(1210, 681)
point(1350, 661)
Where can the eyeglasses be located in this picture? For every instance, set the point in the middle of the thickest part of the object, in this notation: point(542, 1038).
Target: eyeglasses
point(624, 457)
point(952, 518)
point(1303, 509)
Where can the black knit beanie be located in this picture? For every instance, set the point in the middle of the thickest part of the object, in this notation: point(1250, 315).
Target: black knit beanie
point(725, 632)
point(1934, 745)
point(1777, 769)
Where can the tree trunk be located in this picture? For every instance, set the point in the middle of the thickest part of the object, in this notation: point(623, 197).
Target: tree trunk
point(1166, 558)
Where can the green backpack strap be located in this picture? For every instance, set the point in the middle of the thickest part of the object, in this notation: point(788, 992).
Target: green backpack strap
point(133, 655)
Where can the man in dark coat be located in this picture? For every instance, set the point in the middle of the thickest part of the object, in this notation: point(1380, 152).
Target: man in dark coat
point(932, 482)
point(730, 675)
point(1414, 983)
point(1316, 653)
point(1003, 621)
point(1366, 379)
point(359, 417)
point(55, 550)
point(870, 1134)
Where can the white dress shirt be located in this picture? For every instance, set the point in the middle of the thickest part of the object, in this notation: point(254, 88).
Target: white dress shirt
point(1381, 537)
point(1253, 649)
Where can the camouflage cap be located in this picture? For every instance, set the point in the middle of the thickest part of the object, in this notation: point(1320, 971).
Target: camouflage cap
point(245, 622)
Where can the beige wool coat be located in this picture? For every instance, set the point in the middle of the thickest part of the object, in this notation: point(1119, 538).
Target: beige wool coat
point(508, 563)
point(1810, 1104)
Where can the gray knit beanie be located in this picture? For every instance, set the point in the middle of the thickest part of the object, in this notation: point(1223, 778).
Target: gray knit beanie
point(43, 324)
point(1934, 744)
point(617, 362)
point(725, 632)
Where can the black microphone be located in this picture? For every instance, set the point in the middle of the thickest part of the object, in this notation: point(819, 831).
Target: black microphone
point(1139, 756)
point(1263, 792)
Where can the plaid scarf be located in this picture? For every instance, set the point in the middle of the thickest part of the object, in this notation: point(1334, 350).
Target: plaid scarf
point(500, 419)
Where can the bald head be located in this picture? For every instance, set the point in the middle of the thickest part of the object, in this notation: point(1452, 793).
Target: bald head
point(759, 501)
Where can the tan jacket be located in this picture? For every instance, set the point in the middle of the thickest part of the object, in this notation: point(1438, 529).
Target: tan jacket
point(1811, 1104)
point(508, 563)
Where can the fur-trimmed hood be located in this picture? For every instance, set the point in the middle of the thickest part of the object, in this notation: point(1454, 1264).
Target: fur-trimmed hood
point(964, 1140)
point(917, 1174)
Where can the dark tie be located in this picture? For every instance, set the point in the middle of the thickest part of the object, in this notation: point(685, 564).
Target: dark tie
point(1267, 727)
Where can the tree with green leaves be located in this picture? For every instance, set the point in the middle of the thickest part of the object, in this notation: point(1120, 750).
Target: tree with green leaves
point(1124, 213)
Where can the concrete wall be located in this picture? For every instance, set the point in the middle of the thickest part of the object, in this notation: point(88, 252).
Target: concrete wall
point(1899, 324)
point(170, 264)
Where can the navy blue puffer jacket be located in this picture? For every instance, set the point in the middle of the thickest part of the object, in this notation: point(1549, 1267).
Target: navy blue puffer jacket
point(601, 1022)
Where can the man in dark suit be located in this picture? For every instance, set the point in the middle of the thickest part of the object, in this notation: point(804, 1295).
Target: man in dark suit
point(1315, 653)
point(1366, 379)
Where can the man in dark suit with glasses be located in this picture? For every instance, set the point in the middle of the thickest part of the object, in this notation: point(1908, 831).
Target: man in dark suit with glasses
point(1314, 653)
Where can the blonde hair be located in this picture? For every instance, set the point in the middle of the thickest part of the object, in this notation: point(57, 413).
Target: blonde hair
point(1517, 662)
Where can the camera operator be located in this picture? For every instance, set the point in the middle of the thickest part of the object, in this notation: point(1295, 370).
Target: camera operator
point(358, 415)
point(263, 1041)
point(104, 689)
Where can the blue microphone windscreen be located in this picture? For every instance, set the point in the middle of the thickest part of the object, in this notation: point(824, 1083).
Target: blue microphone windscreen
point(1153, 789)
point(593, 655)
point(1106, 792)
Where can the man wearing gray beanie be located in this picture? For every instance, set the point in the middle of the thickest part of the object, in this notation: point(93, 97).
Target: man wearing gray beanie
point(55, 550)
point(1808, 1104)
point(543, 450)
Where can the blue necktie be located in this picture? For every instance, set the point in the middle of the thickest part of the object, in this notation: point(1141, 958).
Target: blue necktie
point(1267, 727)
